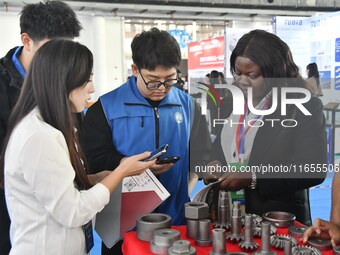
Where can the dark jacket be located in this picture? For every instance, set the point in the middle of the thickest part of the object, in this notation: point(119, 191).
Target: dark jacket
point(10, 85)
point(302, 145)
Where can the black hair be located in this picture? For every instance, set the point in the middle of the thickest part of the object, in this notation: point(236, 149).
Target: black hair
point(154, 48)
point(214, 74)
point(313, 71)
point(50, 20)
point(57, 68)
point(271, 54)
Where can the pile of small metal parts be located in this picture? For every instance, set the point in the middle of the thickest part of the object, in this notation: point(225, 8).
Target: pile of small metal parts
point(163, 240)
point(155, 228)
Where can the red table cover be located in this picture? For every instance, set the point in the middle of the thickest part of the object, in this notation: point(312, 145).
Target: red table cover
point(134, 246)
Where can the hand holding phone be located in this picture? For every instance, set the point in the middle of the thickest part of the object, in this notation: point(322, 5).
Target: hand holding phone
point(155, 154)
point(167, 160)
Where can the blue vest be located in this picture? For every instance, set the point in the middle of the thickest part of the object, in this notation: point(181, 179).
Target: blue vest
point(136, 128)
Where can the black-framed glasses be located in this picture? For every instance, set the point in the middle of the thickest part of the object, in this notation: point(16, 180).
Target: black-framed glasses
point(153, 85)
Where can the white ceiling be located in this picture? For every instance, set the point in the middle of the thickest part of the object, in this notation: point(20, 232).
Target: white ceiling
point(197, 10)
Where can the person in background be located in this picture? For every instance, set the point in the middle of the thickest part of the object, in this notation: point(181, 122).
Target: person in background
point(261, 61)
point(313, 80)
point(335, 211)
point(39, 22)
point(181, 82)
point(221, 78)
point(48, 193)
point(211, 106)
point(144, 114)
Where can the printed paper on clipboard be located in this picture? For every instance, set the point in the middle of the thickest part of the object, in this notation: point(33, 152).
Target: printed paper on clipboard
point(137, 196)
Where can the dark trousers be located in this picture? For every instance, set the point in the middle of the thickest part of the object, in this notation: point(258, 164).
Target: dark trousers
point(5, 244)
point(115, 250)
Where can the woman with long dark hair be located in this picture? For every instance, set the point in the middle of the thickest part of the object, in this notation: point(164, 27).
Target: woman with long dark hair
point(48, 193)
point(313, 80)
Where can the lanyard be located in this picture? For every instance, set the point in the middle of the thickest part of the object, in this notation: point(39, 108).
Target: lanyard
point(17, 64)
point(242, 131)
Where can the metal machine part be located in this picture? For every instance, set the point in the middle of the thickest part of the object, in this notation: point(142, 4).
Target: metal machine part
point(287, 247)
point(265, 238)
point(278, 241)
point(248, 244)
point(235, 236)
point(223, 214)
point(182, 247)
point(148, 223)
point(257, 220)
point(280, 219)
point(219, 242)
point(192, 228)
point(203, 236)
point(258, 230)
point(296, 231)
point(336, 250)
point(163, 239)
point(305, 250)
point(196, 210)
point(320, 244)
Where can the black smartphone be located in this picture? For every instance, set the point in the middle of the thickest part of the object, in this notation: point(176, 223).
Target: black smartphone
point(155, 154)
point(168, 160)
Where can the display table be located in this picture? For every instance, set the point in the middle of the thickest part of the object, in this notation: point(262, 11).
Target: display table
point(134, 246)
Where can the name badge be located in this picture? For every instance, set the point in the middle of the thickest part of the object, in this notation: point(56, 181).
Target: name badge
point(88, 232)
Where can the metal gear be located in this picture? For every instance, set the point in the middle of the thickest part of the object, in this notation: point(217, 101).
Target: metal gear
point(278, 241)
point(256, 220)
point(257, 230)
point(248, 244)
point(301, 250)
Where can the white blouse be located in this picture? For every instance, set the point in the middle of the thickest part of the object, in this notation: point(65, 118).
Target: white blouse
point(46, 210)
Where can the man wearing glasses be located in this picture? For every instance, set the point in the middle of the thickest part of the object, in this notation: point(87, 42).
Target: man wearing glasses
point(146, 113)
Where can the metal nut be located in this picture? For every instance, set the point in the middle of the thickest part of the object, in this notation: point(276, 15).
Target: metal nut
point(320, 244)
point(165, 237)
point(182, 247)
point(296, 231)
point(148, 223)
point(196, 210)
point(163, 240)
